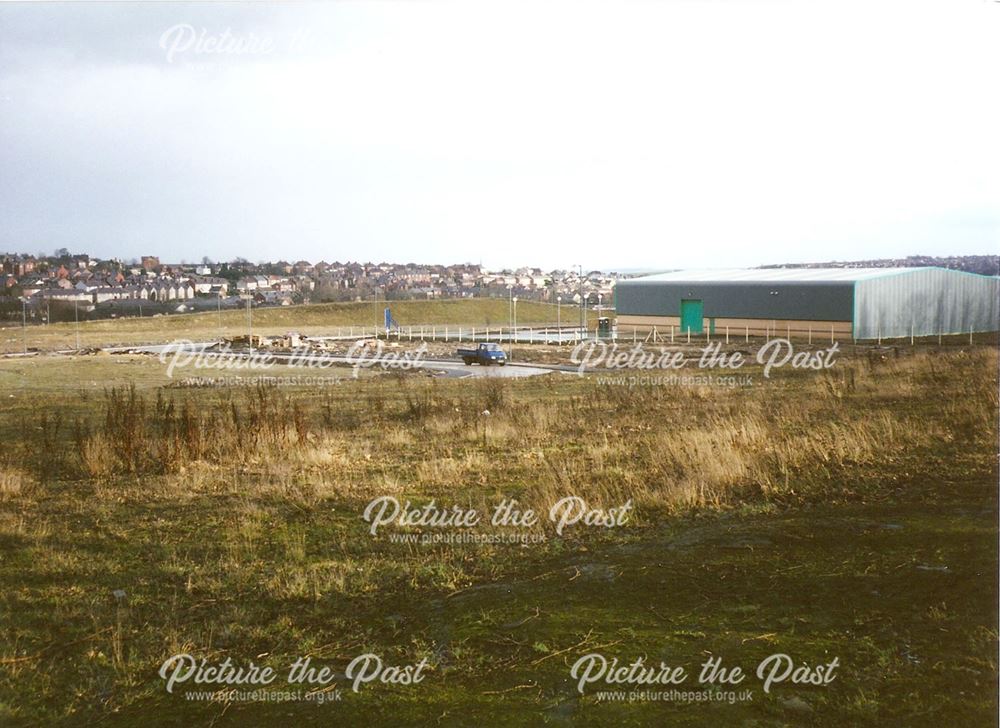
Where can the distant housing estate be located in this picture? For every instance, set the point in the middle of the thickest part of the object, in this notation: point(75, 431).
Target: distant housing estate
point(65, 285)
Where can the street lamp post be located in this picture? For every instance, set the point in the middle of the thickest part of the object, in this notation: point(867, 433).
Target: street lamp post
point(600, 308)
point(515, 327)
point(76, 318)
point(249, 323)
point(559, 317)
point(510, 307)
point(24, 322)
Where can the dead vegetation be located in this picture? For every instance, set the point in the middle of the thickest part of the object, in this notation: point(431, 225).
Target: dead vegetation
point(230, 519)
point(799, 435)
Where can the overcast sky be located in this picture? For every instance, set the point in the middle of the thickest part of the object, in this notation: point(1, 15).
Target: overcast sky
point(613, 135)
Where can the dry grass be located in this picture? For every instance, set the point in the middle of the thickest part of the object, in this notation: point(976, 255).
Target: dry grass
point(662, 447)
point(232, 519)
point(14, 481)
point(800, 435)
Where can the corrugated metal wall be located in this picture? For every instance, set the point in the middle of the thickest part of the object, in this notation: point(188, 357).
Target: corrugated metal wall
point(927, 302)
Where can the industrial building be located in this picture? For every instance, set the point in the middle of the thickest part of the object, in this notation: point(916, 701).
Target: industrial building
point(842, 303)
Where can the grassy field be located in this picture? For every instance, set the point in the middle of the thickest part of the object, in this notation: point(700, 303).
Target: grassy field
point(315, 319)
point(850, 513)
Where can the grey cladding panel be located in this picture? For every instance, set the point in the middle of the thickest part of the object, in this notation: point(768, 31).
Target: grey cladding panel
point(811, 301)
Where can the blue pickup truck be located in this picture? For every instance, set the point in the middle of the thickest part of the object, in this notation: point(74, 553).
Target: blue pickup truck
point(485, 354)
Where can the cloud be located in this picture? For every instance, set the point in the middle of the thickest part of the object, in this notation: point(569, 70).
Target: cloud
point(626, 135)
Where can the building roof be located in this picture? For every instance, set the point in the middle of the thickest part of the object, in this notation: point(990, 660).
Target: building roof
point(763, 275)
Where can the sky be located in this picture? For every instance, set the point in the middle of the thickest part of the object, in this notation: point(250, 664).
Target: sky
point(613, 135)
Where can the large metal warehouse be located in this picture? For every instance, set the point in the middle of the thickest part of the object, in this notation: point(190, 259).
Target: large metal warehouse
point(858, 303)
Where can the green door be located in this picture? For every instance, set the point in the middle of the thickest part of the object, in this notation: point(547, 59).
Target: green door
point(691, 319)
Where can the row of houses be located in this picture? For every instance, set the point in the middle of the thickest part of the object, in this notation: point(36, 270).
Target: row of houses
point(283, 282)
point(279, 284)
point(163, 290)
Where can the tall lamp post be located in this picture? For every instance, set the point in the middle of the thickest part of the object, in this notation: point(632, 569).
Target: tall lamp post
point(249, 322)
point(510, 307)
point(558, 315)
point(515, 327)
point(600, 308)
point(76, 318)
point(24, 322)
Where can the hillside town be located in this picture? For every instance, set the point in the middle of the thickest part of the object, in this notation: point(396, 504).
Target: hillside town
point(67, 285)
